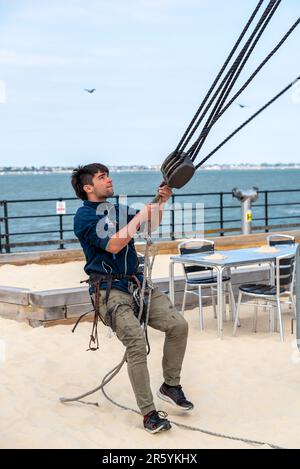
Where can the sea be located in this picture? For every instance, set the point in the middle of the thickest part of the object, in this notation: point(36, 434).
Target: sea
point(33, 219)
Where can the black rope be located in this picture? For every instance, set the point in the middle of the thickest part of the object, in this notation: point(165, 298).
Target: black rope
point(231, 70)
point(189, 131)
point(233, 75)
point(246, 84)
point(263, 63)
point(247, 121)
point(221, 94)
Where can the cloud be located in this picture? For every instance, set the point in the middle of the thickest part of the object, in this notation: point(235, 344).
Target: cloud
point(13, 58)
point(18, 59)
point(24, 59)
point(105, 12)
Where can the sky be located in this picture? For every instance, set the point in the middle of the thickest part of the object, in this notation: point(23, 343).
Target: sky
point(151, 63)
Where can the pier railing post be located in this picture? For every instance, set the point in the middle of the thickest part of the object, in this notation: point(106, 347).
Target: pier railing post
point(221, 214)
point(61, 231)
point(266, 211)
point(61, 224)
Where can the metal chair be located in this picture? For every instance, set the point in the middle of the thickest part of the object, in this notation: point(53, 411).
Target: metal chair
point(284, 279)
point(195, 284)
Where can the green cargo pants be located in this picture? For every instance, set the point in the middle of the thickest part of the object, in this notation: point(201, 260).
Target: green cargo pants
point(164, 317)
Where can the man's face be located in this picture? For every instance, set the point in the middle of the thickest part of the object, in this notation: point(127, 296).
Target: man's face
point(101, 187)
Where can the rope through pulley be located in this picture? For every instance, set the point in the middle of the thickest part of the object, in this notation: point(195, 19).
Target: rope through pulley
point(178, 168)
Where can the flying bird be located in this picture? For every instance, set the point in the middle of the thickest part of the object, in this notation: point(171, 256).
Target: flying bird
point(90, 91)
point(242, 105)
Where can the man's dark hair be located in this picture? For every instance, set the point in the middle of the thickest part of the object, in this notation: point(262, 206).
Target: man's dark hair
point(83, 175)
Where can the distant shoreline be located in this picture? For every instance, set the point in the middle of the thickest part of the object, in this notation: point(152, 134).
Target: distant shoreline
point(134, 169)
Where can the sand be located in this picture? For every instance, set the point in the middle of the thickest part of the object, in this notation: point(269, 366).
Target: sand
point(246, 385)
point(68, 275)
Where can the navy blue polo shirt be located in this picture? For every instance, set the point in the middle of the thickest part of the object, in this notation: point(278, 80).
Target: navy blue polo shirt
point(94, 224)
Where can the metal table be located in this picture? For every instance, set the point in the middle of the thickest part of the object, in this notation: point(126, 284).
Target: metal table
point(233, 258)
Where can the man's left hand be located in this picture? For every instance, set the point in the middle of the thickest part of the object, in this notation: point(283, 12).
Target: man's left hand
point(164, 193)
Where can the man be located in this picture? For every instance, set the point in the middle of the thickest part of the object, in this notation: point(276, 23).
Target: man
point(106, 237)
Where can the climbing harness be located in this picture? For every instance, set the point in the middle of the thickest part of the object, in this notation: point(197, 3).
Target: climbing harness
point(178, 168)
point(95, 281)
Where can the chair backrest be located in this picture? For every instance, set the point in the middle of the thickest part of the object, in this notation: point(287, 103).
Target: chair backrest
point(141, 261)
point(277, 239)
point(195, 246)
point(285, 269)
point(286, 265)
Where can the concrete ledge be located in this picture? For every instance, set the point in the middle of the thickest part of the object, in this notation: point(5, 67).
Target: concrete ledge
point(74, 311)
point(26, 313)
point(60, 297)
point(14, 295)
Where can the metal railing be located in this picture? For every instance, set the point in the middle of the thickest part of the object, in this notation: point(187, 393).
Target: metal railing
point(222, 216)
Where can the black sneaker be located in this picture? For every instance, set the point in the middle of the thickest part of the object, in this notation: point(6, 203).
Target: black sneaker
point(155, 422)
point(175, 395)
